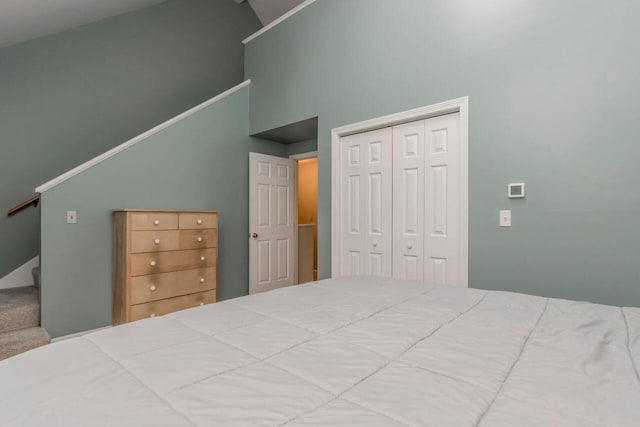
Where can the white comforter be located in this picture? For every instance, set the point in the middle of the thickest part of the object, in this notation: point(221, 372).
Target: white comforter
point(348, 352)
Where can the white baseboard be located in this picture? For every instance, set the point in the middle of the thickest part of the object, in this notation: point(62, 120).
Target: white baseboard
point(79, 334)
point(21, 276)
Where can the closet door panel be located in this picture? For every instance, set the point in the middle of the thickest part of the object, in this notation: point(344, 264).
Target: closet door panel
point(366, 219)
point(408, 203)
point(352, 221)
point(378, 203)
point(442, 204)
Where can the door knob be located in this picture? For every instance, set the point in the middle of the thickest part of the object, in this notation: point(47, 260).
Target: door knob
point(254, 235)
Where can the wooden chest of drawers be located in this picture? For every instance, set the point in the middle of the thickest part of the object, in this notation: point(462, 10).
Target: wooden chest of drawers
point(165, 261)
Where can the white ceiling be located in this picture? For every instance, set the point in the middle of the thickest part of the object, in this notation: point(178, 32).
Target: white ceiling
point(23, 20)
point(269, 10)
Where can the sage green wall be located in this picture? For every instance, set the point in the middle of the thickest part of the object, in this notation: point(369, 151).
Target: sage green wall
point(554, 102)
point(199, 163)
point(69, 97)
point(302, 147)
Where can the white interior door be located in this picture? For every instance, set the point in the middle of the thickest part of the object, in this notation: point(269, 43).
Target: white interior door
point(443, 201)
point(366, 217)
point(408, 200)
point(272, 222)
point(427, 200)
point(410, 177)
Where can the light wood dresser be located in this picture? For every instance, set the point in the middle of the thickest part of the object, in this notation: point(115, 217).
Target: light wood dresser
point(164, 261)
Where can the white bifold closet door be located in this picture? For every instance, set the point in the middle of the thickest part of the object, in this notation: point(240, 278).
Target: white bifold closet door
point(366, 200)
point(426, 206)
point(401, 202)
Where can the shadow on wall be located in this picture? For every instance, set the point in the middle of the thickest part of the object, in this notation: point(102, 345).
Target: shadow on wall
point(202, 162)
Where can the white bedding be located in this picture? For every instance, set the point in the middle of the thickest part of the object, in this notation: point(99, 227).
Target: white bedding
point(347, 352)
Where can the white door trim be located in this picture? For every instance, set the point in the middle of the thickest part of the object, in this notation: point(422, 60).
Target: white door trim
point(459, 105)
point(304, 156)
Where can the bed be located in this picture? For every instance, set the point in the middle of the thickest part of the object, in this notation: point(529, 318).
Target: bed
point(345, 352)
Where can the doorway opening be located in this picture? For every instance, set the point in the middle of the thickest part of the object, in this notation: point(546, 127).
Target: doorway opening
point(283, 209)
point(307, 166)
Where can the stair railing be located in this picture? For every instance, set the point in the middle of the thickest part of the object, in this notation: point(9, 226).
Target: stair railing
point(33, 201)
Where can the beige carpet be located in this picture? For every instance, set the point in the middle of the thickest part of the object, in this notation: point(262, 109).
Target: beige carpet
point(19, 321)
point(19, 309)
point(16, 342)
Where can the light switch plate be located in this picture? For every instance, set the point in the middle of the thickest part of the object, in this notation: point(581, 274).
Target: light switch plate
point(505, 218)
point(72, 217)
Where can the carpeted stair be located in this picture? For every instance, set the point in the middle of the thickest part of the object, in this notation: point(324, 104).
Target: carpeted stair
point(19, 321)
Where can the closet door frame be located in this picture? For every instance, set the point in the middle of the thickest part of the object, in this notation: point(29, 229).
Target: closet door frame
point(459, 105)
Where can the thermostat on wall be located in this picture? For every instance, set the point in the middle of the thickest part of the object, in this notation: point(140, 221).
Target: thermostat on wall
point(516, 191)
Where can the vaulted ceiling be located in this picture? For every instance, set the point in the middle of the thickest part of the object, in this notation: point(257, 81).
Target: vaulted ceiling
point(269, 10)
point(24, 20)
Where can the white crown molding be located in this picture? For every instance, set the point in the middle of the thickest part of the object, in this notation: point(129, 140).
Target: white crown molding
point(101, 158)
point(278, 21)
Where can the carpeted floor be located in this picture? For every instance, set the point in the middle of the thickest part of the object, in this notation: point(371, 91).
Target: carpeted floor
point(16, 342)
point(19, 321)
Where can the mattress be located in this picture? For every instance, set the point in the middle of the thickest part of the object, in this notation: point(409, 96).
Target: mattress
point(346, 352)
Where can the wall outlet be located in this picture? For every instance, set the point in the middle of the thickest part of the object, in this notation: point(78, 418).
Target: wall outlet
point(505, 218)
point(72, 217)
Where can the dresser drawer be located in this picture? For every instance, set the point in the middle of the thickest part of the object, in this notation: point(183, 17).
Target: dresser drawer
point(164, 262)
point(194, 221)
point(154, 221)
point(196, 239)
point(154, 241)
point(167, 285)
point(165, 306)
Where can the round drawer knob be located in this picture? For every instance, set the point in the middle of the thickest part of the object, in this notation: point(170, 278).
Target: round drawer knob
point(202, 258)
point(152, 288)
point(409, 246)
point(153, 264)
point(152, 315)
point(157, 241)
point(375, 244)
point(201, 304)
point(156, 222)
point(202, 280)
point(199, 222)
point(200, 239)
